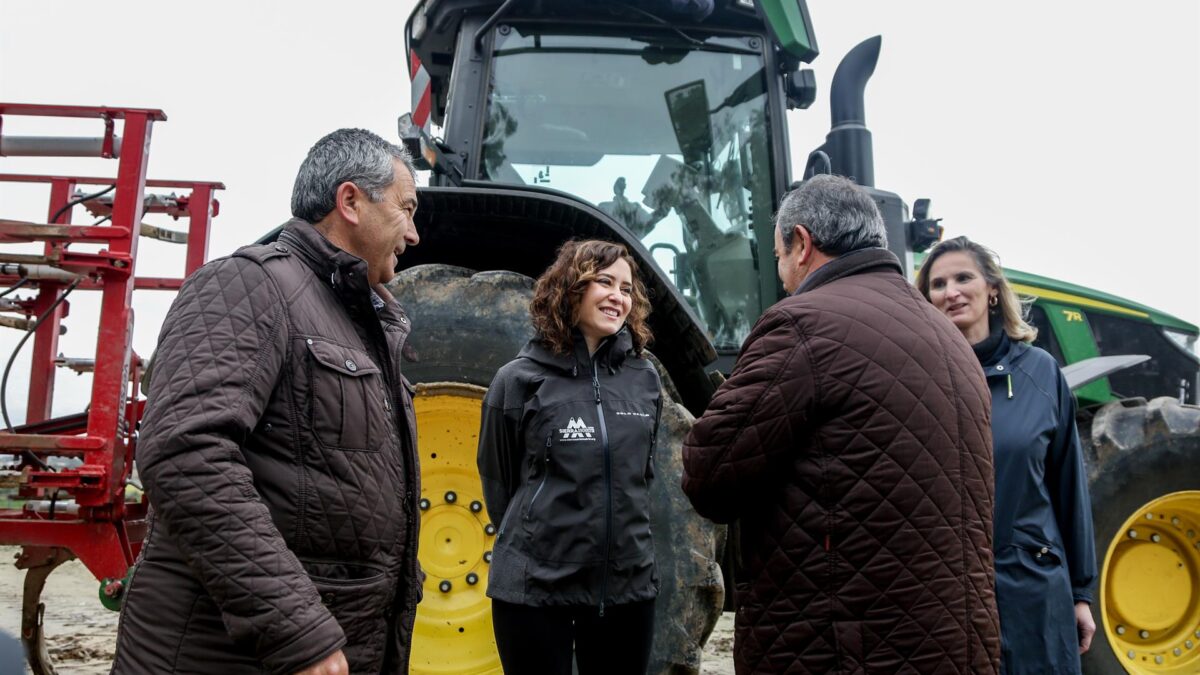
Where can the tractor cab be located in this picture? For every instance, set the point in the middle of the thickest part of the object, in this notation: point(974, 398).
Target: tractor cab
point(666, 117)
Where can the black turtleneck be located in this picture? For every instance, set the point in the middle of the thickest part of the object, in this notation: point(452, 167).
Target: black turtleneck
point(991, 349)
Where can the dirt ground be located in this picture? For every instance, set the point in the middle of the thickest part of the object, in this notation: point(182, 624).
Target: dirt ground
point(80, 632)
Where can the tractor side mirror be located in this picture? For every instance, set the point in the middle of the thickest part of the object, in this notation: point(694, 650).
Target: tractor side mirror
point(688, 107)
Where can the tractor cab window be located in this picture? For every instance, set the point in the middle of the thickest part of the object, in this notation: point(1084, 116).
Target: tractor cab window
point(667, 134)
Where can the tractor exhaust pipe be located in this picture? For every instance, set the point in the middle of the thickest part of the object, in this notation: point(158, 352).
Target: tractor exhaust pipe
point(848, 150)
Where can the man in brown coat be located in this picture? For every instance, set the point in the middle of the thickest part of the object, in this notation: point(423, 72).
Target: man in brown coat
point(852, 444)
point(279, 445)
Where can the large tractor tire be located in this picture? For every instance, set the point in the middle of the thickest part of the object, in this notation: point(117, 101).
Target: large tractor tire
point(465, 326)
point(1145, 487)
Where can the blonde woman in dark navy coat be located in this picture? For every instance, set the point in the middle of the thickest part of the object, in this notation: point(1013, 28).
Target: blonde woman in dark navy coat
point(1045, 556)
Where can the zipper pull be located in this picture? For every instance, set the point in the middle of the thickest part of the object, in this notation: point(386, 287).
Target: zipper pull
point(596, 388)
point(602, 607)
point(1010, 392)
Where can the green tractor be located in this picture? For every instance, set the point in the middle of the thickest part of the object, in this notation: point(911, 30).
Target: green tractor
point(662, 124)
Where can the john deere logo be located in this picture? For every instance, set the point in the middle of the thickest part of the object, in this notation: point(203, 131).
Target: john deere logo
point(577, 430)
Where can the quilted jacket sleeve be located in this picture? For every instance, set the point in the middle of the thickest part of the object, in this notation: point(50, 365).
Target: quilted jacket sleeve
point(753, 422)
point(221, 350)
point(1066, 481)
point(500, 449)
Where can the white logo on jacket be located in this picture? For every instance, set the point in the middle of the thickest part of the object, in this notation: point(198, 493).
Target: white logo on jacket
point(577, 430)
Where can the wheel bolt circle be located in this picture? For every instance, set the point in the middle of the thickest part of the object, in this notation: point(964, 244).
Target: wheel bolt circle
point(489, 529)
point(451, 497)
point(445, 586)
point(476, 506)
point(424, 504)
point(472, 578)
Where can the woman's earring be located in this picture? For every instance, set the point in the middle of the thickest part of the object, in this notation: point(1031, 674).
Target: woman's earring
point(993, 301)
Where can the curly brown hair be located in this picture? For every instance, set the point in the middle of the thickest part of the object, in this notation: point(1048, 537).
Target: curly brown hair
point(557, 293)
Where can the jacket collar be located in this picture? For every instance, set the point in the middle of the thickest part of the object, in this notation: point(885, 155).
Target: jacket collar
point(1006, 356)
point(611, 353)
point(344, 272)
point(850, 264)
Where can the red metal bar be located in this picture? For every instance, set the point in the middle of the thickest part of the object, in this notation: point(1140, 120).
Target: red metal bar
point(140, 283)
point(39, 110)
point(45, 342)
point(86, 180)
point(200, 213)
point(113, 349)
point(102, 546)
point(17, 231)
point(59, 443)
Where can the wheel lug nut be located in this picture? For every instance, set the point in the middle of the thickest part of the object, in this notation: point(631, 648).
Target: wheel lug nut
point(424, 504)
point(476, 506)
point(1132, 534)
point(1130, 654)
point(1149, 516)
point(1145, 634)
point(487, 558)
point(445, 586)
point(1175, 521)
point(1177, 651)
point(1120, 630)
point(1155, 538)
point(1158, 660)
point(451, 497)
point(473, 579)
point(1188, 644)
point(1191, 534)
point(489, 529)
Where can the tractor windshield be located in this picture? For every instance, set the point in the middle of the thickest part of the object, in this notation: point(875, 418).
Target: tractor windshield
point(668, 135)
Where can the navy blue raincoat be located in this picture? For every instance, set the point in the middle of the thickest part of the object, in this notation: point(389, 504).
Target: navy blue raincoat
point(1045, 556)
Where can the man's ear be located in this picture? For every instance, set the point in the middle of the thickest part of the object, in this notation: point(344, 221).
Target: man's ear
point(348, 198)
point(802, 238)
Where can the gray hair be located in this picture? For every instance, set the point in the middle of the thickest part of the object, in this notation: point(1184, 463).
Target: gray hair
point(840, 216)
point(346, 155)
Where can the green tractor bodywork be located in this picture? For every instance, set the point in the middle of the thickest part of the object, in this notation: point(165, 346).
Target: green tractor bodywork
point(1076, 324)
point(666, 130)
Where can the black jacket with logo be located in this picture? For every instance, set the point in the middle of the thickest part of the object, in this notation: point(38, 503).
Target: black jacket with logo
point(566, 456)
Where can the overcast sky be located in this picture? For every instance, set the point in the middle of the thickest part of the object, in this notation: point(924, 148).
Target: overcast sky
point(1065, 135)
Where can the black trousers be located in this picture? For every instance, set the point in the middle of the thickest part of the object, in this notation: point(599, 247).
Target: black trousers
point(539, 640)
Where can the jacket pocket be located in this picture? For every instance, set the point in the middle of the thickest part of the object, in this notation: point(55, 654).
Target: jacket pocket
point(545, 471)
point(361, 597)
point(347, 400)
point(1042, 555)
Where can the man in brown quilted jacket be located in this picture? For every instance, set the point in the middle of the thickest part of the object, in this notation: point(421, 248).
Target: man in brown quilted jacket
point(279, 444)
point(852, 445)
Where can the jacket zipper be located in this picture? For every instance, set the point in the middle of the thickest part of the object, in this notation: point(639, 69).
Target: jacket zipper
point(545, 475)
point(607, 486)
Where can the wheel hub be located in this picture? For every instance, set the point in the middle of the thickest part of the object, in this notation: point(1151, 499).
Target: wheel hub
point(453, 631)
point(1148, 600)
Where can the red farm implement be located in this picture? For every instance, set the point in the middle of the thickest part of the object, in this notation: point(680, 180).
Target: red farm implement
point(70, 472)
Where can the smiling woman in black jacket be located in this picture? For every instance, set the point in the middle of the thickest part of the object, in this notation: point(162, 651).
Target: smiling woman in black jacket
point(1045, 558)
point(566, 457)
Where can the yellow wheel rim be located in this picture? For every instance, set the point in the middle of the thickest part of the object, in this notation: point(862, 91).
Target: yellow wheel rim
point(1150, 587)
point(453, 632)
